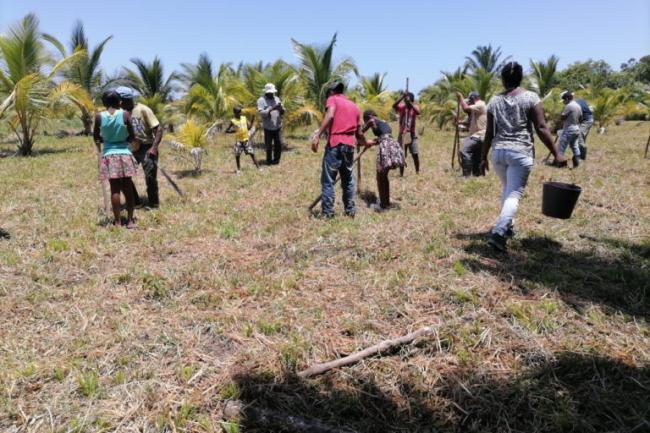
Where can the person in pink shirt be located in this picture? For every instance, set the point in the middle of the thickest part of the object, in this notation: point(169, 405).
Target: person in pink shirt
point(408, 111)
point(342, 122)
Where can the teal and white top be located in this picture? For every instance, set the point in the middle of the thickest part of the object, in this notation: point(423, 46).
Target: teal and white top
point(114, 133)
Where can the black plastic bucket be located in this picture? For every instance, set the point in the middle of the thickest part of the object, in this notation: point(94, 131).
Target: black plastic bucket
point(559, 199)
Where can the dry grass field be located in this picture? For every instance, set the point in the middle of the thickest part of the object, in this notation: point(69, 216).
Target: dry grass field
point(226, 293)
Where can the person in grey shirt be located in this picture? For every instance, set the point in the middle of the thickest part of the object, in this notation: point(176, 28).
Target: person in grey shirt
point(271, 110)
point(571, 116)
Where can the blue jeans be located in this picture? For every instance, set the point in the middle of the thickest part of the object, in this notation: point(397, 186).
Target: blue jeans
point(339, 159)
point(570, 138)
point(513, 169)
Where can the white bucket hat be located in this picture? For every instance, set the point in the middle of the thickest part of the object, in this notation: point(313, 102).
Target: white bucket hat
point(270, 88)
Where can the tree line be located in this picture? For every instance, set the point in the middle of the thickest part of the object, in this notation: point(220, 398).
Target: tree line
point(42, 78)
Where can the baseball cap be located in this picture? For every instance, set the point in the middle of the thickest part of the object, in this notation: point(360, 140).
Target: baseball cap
point(126, 92)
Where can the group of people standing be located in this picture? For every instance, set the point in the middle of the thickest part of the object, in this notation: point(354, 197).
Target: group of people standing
point(505, 124)
point(127, 134)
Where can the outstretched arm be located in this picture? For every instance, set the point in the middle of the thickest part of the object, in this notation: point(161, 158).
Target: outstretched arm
point(396, 103)
point(463, 105)
point(543, 132)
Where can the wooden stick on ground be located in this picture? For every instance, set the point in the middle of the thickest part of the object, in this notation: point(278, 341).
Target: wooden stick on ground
point(385, 345)
point(647, 145)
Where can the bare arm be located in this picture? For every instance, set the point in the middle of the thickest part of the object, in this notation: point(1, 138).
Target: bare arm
point(543, 131)
point(487, 143)
point(230, 129)
point(157, 137)
point(129, 127)
point(361, 139)
point(325, 124)
point(97, 136)
point(463, 105)
point(395, 105)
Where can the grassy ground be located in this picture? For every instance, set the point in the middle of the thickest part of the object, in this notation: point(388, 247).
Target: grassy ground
point(227, 293)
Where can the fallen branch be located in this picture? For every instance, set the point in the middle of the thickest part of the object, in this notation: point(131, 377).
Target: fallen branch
point(236, 410)
point(358, 356)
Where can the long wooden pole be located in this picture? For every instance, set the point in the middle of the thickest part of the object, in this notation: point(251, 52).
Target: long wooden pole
point(647, 145)
point(456, 138)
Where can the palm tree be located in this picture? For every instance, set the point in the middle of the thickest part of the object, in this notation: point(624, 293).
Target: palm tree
point(247, 85)
point(607, 105)
point(317, 69)
point(207, 98)
point(373, 85)
point(28, 78)
point(485, 57)
point(85, 72)
point(371, 94)
point(483, 82)
point(544, 75)
point(149, 80)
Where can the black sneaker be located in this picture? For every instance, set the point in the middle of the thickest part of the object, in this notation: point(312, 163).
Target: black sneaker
point(510, 233)
point(498, 242)
point(4, 234)
point(576, 161)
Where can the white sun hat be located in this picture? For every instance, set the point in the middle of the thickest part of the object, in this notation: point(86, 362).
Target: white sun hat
point(270, 88)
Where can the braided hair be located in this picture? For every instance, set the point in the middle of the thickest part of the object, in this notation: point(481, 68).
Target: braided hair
point(511, 75)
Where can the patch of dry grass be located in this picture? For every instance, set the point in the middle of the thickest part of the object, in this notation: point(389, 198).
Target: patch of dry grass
point(226, 293)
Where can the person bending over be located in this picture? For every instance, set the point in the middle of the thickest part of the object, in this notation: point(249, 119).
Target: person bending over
point(389, 155)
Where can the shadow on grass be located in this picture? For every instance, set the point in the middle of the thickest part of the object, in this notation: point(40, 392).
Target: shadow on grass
point(181, 174)
point(620, 279)
point(570, 393)
point(39, 151)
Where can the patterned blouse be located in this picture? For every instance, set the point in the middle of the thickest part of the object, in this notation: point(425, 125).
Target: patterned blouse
point(513, 125)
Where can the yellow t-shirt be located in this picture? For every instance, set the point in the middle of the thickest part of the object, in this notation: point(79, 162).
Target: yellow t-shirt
point(478, 121)
point(143, 121)
point(241, 134)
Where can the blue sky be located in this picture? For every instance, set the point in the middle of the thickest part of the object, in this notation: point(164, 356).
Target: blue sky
point(417, 39)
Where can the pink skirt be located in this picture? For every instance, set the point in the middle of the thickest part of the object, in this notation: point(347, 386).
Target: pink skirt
point(117, 167)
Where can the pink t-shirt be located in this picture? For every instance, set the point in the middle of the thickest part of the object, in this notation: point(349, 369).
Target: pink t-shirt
point(347, 119)
point(406, 118)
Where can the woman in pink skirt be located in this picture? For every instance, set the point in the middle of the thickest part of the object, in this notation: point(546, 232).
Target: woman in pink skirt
point(114, 130)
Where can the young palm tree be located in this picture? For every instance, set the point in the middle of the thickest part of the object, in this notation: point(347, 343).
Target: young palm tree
point(317, 68)
point(28, 78)
point(207, 98)
point(149, 80)
point(85, 72)
point(483, 82)
point(373, 85)
point(544, 76)
point(371, 94)
point(485, 57)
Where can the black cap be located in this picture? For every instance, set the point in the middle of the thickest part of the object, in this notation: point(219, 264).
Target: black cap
point(336, 85)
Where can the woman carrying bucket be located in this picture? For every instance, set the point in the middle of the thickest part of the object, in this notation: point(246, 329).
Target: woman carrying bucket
point(511, 117)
